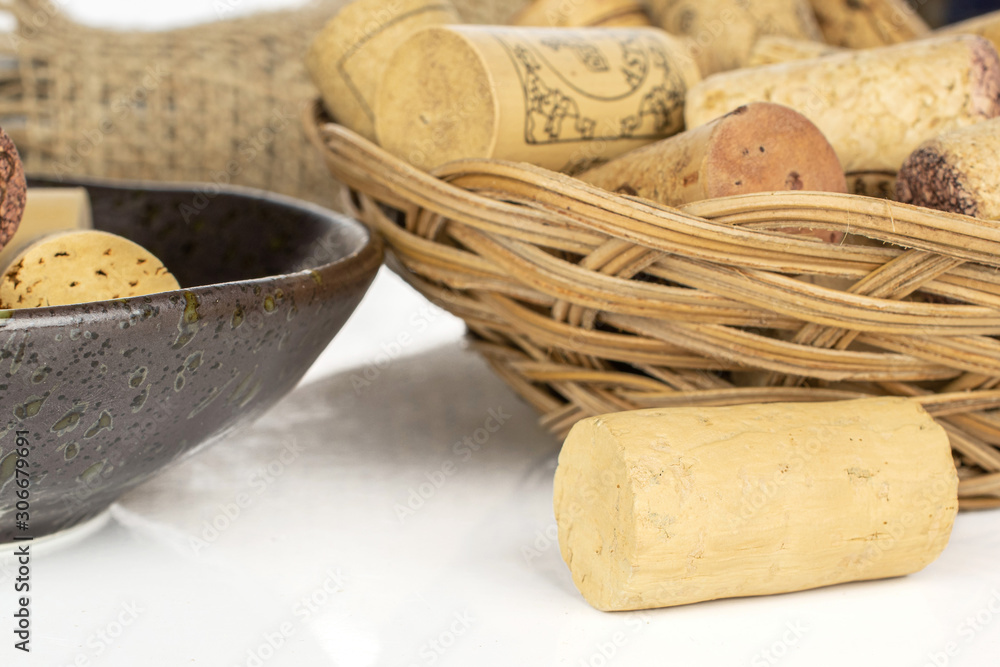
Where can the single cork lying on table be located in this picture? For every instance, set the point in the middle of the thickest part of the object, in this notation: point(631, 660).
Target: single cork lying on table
point(724, 31)
point(346, 60)
point(583, 13)
point(956, 172)
point(864, 24)
point(559, 98)
point(875, 106)
point(665, 507)
point(79, 267)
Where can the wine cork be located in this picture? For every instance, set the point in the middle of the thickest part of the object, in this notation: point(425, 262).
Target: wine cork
point(759, 147)
point(771, 49)
point(864, 24)
point(47, 211)
point(79, 267)
point(555, 97)
point(348, 57)
point(985, 25)
point(724, 31)
point(664, 507)
point(880, 184)
point(956, 172)
point(12, 189)
point(875, 106)
point(583, 14)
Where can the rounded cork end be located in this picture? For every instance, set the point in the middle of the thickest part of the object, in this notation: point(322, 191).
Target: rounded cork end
point(929, 178)
point(593, 503)
point(81, 267)
point(13, 189)
point(436, 101)
point(764, 147)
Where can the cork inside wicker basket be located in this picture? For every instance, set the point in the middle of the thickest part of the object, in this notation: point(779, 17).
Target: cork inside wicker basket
point(588, 302)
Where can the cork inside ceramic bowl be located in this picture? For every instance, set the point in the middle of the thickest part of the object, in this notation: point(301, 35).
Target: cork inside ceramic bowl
point(108, 393)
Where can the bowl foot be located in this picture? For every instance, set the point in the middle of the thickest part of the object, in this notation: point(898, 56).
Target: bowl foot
point(62, 539)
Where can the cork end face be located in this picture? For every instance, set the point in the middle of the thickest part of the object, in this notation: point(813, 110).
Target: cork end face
point(436, 102)
point(929, 178)
point(762, 147)
point(13, 189)
point(593, 505)
point(82, 267)
point(765, 147)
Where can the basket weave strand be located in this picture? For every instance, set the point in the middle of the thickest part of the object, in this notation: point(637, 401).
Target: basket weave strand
point(588, 302)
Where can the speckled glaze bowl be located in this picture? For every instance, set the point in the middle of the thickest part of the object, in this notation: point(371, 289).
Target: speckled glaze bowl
point(111, 392)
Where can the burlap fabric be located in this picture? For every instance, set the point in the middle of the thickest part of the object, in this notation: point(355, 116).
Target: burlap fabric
point(214, 103)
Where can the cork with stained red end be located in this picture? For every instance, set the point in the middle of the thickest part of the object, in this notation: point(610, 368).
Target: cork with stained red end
point(13, 189)
point(955, 172)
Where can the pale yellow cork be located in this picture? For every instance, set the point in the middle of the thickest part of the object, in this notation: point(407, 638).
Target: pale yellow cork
point(560, 98)
point(348, 57)
point(583, 13)
point(79, 267)
point(864, 24)
point(876, 105)
point(664, 507)
point(724, 31)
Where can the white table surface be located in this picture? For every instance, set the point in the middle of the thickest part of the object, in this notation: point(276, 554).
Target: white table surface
point(319, 567)
point(320, 558)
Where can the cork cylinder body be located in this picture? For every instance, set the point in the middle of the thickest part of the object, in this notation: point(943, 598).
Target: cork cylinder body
point(958, 171)
point(348, 57)
point(771, 49)
point(554, 97)
point(672, 506)
point(875, 106)
point(583, 13)
point(864, 24)
point(759, 147)
point(724, 31)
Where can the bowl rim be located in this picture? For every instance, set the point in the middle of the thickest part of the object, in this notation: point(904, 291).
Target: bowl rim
point(360, 263)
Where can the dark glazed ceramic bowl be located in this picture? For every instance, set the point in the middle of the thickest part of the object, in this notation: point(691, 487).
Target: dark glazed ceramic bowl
point(110, 392)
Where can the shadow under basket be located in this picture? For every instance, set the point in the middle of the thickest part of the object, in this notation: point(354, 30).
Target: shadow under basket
point(588, 302)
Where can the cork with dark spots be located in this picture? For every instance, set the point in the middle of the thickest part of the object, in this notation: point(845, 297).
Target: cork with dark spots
point(757, 147)
point(111, 392)
point(957, 171)
point(13, 189)
point(928, 178)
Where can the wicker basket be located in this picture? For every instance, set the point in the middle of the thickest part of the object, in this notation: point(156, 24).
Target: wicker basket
point(587, 302)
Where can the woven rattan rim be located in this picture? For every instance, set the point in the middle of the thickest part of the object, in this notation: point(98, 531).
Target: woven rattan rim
point(588, 302)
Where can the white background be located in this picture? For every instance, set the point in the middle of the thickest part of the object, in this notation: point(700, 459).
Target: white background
point(319, 563)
